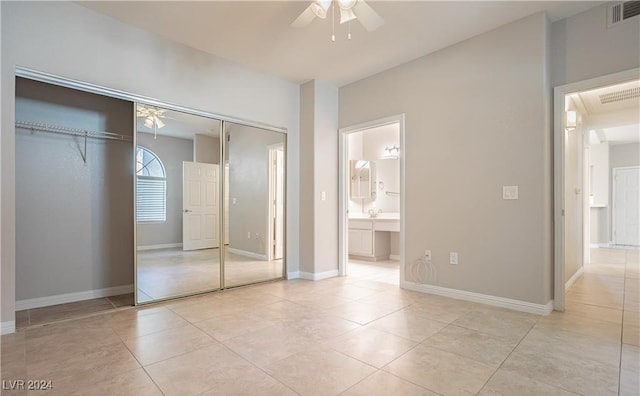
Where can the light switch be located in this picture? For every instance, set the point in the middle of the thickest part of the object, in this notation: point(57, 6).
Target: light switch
point(509, 192)
point(234, 200)
point(323, 196)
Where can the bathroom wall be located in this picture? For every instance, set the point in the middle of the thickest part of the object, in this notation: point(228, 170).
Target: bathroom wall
point(369, 145)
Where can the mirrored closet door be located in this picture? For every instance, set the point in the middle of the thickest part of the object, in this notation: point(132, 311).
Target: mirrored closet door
point(254, 204)
point(177, 178)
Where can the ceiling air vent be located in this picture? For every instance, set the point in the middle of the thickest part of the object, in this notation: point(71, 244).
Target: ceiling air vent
point(617, 96)
point(620, 12)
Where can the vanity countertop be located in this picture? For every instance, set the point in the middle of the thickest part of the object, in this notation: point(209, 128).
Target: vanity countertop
point(389, 216)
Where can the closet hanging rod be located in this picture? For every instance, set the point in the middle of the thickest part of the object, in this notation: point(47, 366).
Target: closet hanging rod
point(33, 126)
point(392, 193)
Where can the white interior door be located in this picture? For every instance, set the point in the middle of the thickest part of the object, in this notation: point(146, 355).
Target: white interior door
point(200, 205)
point(626, 206)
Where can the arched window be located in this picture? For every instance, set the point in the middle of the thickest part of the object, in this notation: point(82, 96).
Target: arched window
point(151, 187)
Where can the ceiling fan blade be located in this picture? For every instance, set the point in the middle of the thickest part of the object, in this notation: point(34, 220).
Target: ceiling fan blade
point(305, 18)
point(367, 16)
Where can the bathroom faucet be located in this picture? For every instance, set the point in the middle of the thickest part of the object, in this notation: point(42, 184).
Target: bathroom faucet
point(373, 213)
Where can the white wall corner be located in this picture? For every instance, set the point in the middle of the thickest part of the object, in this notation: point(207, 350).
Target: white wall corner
point(7, 327)
point(574, 278)
point(319, 275)
point(293, 275)
point(516, 305)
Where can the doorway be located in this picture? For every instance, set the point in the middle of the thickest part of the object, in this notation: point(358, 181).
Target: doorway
point(371, 197)
point(596, 131)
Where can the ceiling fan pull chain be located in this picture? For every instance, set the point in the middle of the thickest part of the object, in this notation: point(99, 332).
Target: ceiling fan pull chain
point(349, 27)
point(333, 21)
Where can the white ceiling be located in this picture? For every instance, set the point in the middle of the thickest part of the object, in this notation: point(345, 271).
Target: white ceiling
point(259, 35)
point(616, 122)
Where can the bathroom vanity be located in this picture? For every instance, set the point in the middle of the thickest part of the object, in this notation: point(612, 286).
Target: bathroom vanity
point(369, 237)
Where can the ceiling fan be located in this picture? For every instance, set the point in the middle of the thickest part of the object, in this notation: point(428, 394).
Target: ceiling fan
point(152, 117)
point(349, 10)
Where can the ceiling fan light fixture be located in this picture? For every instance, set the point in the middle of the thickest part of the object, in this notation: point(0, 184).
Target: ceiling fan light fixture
point(159, 122)
point(346, 15)
point(320, 8)
point(148, 122)
point(346, 4)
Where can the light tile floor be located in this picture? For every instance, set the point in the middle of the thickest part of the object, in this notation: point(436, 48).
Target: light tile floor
point(356, 335)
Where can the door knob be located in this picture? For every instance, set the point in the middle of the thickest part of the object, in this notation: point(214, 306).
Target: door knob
point(186, 211)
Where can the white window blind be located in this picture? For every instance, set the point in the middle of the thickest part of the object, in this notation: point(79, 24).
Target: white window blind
point(151, 187)
point(151, 200)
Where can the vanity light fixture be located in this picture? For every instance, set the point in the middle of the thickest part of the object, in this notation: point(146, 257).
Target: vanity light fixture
point(392, 152)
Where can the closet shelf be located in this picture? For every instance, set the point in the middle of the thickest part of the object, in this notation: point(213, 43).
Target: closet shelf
point(34, 126)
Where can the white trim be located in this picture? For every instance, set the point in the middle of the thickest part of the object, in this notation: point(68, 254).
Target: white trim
point(600, 245)
point(318, 275)
point(293, 275)
point(559, 94)
point(343, 189)
point(394, 257)
point(573, 278)
point(517, 305)
point(72, 297)
point(8, 327)
point(161, 246)
point(261, 257)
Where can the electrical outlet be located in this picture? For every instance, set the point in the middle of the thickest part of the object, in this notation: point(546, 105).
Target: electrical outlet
point(249, 235)
point(453, 258)
point(427, 255)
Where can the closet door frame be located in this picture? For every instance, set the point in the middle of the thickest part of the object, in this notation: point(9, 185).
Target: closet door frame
point(53, 79)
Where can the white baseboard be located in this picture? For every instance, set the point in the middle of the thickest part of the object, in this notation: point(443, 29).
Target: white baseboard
point(517, 305)
point(261, 257)
point(574, 278)
point(72, 297)
point(156, 247)
point(293, 275)
point(394, 257)
point(318, 275)
point(7, 327)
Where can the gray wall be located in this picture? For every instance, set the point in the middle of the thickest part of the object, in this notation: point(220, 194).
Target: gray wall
point(477, 118)
point(582, 46)
point(171, 151)
point(319, 148)
point(249, 185)
point(74, 221)
point(69, 40)
point(206, 149)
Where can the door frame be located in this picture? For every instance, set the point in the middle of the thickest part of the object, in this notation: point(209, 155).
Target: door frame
point(343, 187)
point(271, 149)
point(559, 94)
point(613, 200)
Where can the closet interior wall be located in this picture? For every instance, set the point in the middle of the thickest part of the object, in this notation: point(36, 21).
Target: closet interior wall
point(74, 219)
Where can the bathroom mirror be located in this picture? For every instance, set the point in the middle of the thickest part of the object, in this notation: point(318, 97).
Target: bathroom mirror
point(362, 174)
point(177, 171)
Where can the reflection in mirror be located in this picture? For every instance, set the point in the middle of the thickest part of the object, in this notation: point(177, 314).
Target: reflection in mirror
point(362, 174)
point(254, 204)
point(177, 214)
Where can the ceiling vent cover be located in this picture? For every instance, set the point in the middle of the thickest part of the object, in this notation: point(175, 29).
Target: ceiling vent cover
point(620, 12)
point(618, 96)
